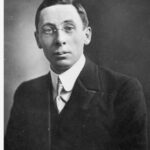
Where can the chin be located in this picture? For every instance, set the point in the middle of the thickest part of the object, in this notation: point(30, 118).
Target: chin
point(61, 67)
point(64, 63)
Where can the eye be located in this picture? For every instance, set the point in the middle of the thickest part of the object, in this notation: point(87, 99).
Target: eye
point(48, 30)
point(69, 28)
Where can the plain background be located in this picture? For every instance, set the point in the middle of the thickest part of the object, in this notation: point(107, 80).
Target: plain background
point(120, 41)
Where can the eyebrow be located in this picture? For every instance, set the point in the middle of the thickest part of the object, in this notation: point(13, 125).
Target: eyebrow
point(48, 24)
point(69, 21)
point(66, 21)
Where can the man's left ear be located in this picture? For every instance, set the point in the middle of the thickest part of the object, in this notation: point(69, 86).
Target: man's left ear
point(88, 35)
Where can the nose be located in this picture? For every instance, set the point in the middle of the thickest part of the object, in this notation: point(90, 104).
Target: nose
point(60, 39)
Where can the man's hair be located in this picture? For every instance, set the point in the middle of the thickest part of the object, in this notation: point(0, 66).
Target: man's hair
point(75, 3)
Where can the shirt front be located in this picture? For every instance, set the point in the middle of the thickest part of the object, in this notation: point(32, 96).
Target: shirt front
point(67, 78)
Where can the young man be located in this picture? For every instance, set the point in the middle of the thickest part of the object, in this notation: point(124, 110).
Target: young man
point(78, 105)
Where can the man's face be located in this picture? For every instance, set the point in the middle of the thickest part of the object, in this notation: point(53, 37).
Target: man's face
point(61, 36)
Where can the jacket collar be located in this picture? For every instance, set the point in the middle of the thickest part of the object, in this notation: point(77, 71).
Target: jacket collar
point(89, 77)
point(86, 87)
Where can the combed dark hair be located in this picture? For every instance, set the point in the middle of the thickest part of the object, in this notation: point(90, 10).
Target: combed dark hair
point(75, 3)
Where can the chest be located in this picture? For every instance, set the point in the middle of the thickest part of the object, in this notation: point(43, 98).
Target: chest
point(74, 126)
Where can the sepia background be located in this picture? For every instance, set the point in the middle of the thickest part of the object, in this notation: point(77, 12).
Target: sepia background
point(121, 41)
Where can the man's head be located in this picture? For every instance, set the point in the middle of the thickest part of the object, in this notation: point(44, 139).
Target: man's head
point(62, 31)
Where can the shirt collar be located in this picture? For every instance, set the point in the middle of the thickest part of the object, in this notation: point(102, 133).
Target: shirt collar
point(68, 77)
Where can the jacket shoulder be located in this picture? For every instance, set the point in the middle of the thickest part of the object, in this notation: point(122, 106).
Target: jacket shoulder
point(34, 85)
point(112, 80)
point(124, 98)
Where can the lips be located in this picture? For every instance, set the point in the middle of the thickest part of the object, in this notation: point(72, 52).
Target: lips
point(60, 54)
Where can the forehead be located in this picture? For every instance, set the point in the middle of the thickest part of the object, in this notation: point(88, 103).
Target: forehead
point(58, 14)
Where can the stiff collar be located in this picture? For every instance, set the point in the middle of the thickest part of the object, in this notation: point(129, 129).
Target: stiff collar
point(68, 77)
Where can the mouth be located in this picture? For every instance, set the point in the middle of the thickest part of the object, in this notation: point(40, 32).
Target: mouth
point(61, 54)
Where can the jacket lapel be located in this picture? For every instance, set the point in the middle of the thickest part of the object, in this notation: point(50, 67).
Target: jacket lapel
point(86, 86)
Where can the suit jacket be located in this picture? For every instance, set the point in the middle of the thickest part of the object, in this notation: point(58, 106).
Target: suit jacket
point(106, 111)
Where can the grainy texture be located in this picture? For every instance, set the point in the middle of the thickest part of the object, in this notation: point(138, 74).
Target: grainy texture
point(121, 41)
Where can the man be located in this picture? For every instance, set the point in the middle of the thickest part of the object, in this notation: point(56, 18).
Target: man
point(78, 105)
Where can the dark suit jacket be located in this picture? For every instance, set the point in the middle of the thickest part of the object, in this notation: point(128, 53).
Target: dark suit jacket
point(106, 111)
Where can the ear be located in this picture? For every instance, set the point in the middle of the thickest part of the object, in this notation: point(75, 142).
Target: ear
point(88, 35)
point(36, 34)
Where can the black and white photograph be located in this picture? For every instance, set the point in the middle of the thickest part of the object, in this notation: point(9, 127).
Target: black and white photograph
point(76, 75)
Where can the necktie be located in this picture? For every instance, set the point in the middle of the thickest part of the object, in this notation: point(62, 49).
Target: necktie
point(60, 102)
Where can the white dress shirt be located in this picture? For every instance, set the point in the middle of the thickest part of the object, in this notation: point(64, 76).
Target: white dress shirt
point(67, 78)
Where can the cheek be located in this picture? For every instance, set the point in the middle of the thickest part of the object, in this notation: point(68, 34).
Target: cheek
point(46, 42)
point(77, 41)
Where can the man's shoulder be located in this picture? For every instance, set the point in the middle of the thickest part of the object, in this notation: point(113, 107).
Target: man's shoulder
point(112, 76)
point(35, 84)
point(108, 79)
point(112, 80)
point(38, 79)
